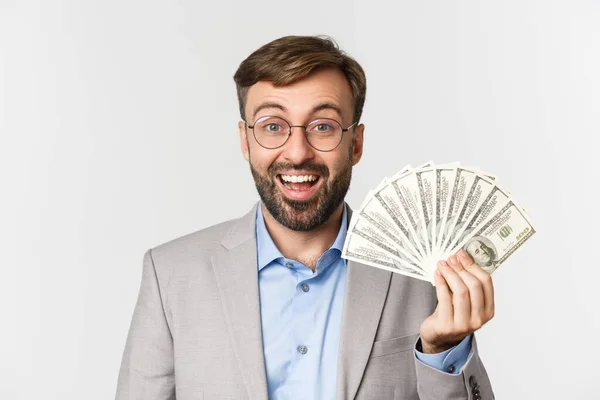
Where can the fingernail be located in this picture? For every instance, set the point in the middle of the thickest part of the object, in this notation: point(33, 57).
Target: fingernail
point(442, 263)
point(462, 253)
point(453, 260)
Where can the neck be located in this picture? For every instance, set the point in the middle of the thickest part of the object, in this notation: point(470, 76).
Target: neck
point(305, 247)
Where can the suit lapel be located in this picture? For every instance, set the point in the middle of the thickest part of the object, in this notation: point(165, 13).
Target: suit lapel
point(236, 270)
point(366, 292)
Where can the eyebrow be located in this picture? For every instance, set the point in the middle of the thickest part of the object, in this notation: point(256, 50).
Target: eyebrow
point(267, 104)
point(317, 108)
point(327, 106)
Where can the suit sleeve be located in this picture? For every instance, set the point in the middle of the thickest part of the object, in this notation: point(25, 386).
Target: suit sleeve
point(451, 360)
point(472, 383)
point(147, 368)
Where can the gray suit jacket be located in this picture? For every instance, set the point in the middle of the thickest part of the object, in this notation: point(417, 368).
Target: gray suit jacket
point(196, 330)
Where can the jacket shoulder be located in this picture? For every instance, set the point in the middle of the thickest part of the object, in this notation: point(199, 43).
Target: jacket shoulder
point(187, 253)
point(203, 240)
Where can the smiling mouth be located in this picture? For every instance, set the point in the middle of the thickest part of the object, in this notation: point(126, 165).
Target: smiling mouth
point(299, 183)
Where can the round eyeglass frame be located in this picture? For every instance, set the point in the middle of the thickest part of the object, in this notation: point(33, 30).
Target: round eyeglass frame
point(298, 126)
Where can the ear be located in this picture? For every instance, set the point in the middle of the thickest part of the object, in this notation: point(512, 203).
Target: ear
point(244, 140)
point(357, 141)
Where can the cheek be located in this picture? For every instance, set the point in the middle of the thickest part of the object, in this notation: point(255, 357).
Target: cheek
point(260, 158)
point(338, 162)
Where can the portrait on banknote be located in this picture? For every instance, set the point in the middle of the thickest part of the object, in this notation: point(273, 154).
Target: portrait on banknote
point(483, 252)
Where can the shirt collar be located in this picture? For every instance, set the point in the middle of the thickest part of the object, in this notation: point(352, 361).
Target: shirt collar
point(267, 251)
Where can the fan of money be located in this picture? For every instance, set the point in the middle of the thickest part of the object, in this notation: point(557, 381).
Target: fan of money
point(424, 214)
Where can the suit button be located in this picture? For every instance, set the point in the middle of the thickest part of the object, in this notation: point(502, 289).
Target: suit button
point(472, 381)
point(450, 369)
point(477, 397)
point(302, 349)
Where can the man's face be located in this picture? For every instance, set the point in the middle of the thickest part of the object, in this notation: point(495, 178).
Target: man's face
point(480, 253)
point(302, 206)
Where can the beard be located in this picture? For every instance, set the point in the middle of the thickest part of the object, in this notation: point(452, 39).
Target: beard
point(303, 215)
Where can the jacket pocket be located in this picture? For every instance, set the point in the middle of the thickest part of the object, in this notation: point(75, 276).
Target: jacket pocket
point(394, 345)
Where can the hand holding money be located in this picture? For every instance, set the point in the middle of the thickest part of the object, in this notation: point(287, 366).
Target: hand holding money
point(419, 216)
point(465, 295)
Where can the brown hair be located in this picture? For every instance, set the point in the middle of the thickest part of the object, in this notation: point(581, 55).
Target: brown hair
point(291, 58)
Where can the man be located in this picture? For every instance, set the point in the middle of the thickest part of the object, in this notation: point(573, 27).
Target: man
point(264, 306)
point(483, 254)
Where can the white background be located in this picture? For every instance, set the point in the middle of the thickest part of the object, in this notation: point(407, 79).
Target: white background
point(118, 132)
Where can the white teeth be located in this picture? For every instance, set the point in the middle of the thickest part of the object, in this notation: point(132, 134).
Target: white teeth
point(299, 178)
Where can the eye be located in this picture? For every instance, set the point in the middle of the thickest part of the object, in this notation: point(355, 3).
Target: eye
point(323, 127)
point(273, 127)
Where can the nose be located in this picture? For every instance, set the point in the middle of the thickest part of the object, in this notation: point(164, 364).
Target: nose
point(297, 149)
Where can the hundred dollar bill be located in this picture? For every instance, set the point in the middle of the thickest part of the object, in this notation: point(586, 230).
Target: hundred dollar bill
point(427, 194)
point(402, 198)
point(375, 212)
point(363, 228)
point(362, 251)
point(494, 201)
point(394, 206)
point(407, 189)
point(444, 184)
point(500, 236)
point(462, 184)
point(481, 187)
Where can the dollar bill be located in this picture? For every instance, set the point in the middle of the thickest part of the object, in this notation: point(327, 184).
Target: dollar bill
point(426, 194)
point(364, 228)
point(419, 216)
point(491, 244)
point(365, 252)
point(481, 187)
point(406, 186)
point(463, 181)
point(395, 210)
point(494, 202)
point(402, 198)
point(444, 182)
point(374, 210)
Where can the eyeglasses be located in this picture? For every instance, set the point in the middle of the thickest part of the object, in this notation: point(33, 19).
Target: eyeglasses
point(322, 134)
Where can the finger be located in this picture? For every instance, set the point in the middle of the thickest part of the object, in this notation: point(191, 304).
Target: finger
point(484, 278)
point(455, 263)
point(444, 296)
point(460, 297)
point(476, 294)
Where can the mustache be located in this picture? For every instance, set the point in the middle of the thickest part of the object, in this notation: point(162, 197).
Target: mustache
point(311, 167)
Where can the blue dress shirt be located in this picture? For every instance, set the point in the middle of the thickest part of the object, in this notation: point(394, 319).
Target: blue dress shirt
point(301, 317)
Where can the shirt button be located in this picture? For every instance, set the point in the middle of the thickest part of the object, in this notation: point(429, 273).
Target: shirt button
point(450, 369)
point(289, 265)
point(302, 349)
point(305, 288)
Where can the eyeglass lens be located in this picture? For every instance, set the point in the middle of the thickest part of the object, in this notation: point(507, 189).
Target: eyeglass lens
point(323, 134)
